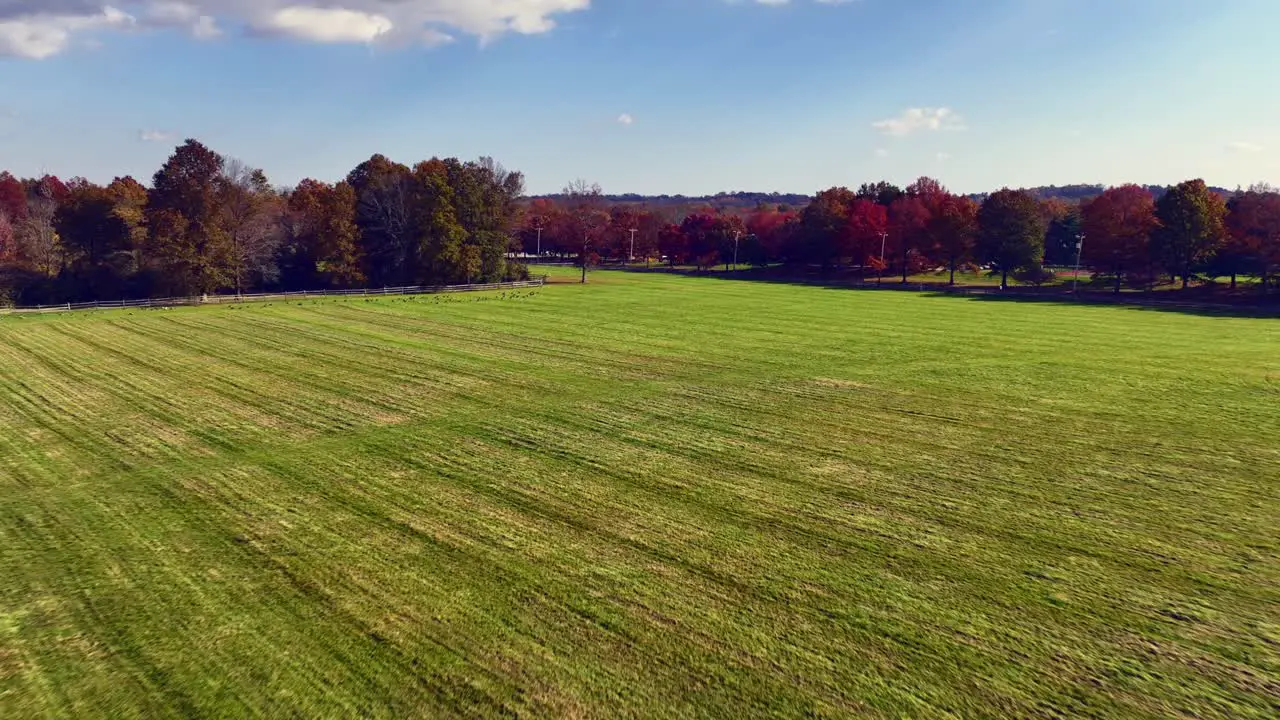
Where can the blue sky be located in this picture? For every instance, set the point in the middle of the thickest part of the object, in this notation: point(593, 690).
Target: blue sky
point(651, 96)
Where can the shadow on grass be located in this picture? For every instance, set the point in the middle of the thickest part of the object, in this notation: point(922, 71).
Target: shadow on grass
point(1210, 302)
point(1132, 301)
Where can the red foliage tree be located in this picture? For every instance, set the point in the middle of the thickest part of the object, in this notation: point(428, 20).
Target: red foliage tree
point(13, 198)
point(908, 236)
point(1254, 227)
point(1117, 228)
point(322, 243)
point(650, 225)
point(673, 244)
point(617, 241)
point(586, 220)
point(773, 230)
point(538, 222)
point(51, 186)
point(953, 230)
point(711, 237)
point(867, 232)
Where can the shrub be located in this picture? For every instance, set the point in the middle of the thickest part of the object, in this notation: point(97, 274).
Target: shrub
point(516, 271)
point(1034, 275)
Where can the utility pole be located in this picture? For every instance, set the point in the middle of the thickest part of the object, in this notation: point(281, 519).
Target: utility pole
point(1075, 283)
point(736, 237)
point(632, 256)
point(884, 237)
point(539, 229)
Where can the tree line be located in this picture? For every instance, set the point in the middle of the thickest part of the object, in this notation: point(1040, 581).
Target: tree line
point(1127, 236)
point(210, 224)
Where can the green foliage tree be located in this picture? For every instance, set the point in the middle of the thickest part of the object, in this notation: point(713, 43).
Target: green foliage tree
point(440, 236)
point(824, 227)
point(471, 262)
point(1192, 227)
point(384, 214)
point(1011, 229)
point(883, 193)
point(414, 224)
point(486, 204)
point(1065, 225)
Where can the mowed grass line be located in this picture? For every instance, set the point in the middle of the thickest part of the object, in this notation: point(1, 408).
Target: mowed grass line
point(646, 496)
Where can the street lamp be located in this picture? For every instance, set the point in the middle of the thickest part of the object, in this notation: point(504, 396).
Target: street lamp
point(1075, 282)
point(737, 236)
point(884, 237)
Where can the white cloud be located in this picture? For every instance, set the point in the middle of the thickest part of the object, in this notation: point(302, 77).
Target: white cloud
point(881, 153)
point(1241, 146)
point(41, 34)
point(326, 25)
point(37, 29)
point(155, 136)
point(170, 13)
point(915, 120)
point(943, 157)
point(626, 119)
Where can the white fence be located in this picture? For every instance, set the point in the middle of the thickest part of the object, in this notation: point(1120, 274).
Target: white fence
point(259, 297)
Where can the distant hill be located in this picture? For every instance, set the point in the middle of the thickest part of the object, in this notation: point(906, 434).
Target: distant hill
point(1078, 193)
point(749, 200)
point(722, 201)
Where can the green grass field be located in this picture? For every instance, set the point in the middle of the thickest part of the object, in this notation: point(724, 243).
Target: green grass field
point(648, 496)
